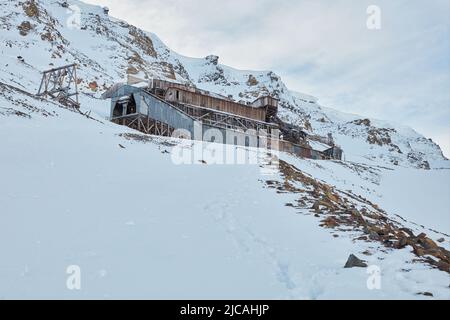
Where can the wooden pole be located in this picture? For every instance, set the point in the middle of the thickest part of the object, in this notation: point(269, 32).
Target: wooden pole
point(76, 82)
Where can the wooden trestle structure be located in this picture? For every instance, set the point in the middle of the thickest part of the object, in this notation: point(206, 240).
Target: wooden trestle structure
point(61, 85)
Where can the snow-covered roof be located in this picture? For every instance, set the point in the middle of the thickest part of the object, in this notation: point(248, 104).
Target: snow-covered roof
point(109, 93)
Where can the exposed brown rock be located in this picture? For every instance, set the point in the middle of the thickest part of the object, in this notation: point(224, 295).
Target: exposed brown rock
point(30, 8)
point(168, 70)
point(252, 81)
point(93, 85)
point(401, 243)
point(428, 243)
point(443, 266)
point(332, 197)
point(362, 122)
point(307, 125)
point(323, 203)
point(407, 231)
point(379, 136)
point(24, 28)
point(374, 236)
point(330, 222)
point(418, 251)
point(143, 41)
point(47, 37)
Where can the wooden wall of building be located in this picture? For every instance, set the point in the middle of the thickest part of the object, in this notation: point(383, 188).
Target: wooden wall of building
point(180, 95)
point(265, 102)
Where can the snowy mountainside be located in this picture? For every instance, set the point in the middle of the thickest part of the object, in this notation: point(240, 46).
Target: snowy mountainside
point(45, 34)
point(83, 191)
point(79, 190)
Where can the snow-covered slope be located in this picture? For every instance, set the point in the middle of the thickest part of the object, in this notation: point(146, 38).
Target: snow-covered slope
point(46, 34)
point(76, 191)
point(79, 190)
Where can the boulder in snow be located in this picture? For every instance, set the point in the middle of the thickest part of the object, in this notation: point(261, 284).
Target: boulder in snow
point(353, 262)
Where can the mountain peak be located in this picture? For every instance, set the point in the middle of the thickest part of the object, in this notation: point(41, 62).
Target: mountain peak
point(212, 59)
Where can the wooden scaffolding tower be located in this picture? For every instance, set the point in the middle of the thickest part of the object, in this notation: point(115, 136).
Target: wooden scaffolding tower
point(61, 85)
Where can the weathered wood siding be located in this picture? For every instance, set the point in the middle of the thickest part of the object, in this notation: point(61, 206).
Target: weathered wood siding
point(197, 99)
point(265, 102)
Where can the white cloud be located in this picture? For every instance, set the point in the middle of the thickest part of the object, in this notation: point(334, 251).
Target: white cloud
point(400, 73)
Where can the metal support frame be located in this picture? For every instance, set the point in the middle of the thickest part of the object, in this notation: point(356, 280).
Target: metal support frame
point(61, 85)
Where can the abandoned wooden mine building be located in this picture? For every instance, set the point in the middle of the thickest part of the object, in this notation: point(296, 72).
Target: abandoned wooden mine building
point(159, 107)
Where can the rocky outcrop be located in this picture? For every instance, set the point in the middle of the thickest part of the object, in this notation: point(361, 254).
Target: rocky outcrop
point(24, 28)
point(212, 60)
point(379, 136)
point(143, 41)
point(216, 76)
point(362, 122)
point(338, 210)
point(252, 81)
point(31, 9)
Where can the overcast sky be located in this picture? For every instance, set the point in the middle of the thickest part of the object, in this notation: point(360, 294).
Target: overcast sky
point(399, 73)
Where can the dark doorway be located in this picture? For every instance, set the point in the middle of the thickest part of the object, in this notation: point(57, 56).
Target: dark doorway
point(131, 107)
point(118, 110)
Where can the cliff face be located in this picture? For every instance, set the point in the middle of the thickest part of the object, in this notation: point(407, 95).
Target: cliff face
point(46, 34)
